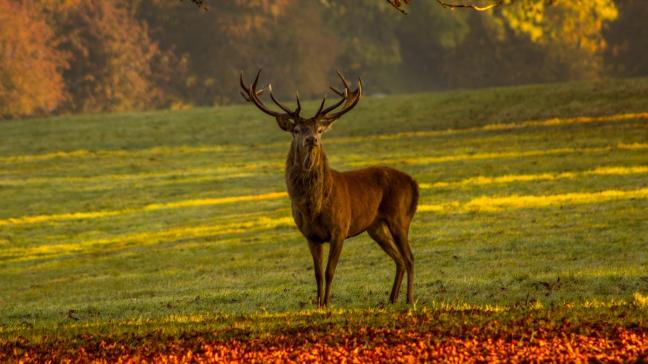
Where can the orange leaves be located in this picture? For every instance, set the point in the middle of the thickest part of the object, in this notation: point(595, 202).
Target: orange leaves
point(617, 334)
point(30, 78)
point(73, 55)
point(365, 345)
point(112, 53)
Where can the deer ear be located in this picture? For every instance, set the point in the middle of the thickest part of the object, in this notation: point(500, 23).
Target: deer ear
point(284, 123)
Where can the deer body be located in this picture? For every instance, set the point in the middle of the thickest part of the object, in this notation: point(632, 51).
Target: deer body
point(353, 201)
point(331, 206)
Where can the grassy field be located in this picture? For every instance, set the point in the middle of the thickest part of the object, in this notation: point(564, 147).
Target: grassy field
point(531, 196)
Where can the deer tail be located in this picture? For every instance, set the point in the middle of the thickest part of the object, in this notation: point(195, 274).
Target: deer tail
point(415, 198)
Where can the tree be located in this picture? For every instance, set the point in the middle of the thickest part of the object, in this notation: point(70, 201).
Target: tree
point(112, 53)
point(107, 55)
point(240, 34)
point(626, 54)
point(571, 31)
point(30, 65)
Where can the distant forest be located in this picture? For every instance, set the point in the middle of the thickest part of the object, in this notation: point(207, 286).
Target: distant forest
point(107, 55)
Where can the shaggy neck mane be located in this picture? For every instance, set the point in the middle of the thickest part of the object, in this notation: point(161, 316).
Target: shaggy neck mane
point(308, 179)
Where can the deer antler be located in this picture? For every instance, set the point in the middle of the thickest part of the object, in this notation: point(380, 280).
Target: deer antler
point(250, 94)
point(349, 99)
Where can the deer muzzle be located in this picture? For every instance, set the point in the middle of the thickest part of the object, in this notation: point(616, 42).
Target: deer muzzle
point(311, 141)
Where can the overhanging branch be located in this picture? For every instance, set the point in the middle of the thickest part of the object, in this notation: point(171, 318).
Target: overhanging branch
point(398, 3)
point(470, 6)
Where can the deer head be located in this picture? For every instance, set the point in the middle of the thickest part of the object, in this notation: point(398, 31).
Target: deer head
point(306, 132)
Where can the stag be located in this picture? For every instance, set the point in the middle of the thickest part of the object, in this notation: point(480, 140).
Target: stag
point(331, 206)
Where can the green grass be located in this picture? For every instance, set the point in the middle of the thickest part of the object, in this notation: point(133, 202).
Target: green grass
point(224, 263)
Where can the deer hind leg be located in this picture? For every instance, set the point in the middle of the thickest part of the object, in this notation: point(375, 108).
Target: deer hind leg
point(316, 250)
point(381, 234)
point(400, 234)
point(334, 255)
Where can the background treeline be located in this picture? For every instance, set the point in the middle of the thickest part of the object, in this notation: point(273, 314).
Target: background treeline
point(60, 56)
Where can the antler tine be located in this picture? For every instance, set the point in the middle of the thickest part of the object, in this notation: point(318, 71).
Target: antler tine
point(256, 80)
point(245, 96)
point(344, 81)
point(319, 111)
point(351, 101)
point(356, 93)
point(298, 109)
point(245, 88)
point(332, 107)
point(340, 93)
point(284, 108)
point(252, 95)
point(253, 91)
point(261, 91)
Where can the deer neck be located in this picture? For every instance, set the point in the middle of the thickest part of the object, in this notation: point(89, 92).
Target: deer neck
point(308, 178)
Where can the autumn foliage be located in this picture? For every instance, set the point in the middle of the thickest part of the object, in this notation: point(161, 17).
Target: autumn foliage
point(30, 66)
point(112, 58)
point(112, 55)
point(416, 338)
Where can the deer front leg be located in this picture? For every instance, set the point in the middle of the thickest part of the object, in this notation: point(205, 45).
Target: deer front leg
point(334, 256)
point(316, 250)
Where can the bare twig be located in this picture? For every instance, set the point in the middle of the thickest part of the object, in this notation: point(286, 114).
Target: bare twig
point(397, 5)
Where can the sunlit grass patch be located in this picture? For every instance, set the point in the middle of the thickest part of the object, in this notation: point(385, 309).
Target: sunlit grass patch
point(147, 208)
point(491, 204)
point(59, 217)
point(110, 181)
point(146, 153)
point(504, 155)
point(499, 203)
point(634, 146)
point(143, 239)
point(485, 180)
point(568, 121)
point(215, 201)
point(640, 117)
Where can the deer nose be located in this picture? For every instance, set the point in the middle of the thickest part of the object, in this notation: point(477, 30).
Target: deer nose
point(310, 140)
